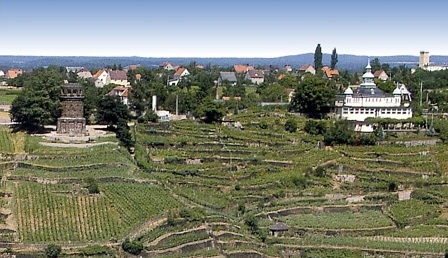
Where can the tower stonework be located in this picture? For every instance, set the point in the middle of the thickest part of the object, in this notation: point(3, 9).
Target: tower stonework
point(72, 121)
point(423, 59)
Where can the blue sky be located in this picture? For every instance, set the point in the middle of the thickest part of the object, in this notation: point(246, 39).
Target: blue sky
point(218, 28)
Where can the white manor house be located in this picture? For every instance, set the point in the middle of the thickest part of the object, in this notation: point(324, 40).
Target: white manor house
point(370, 101)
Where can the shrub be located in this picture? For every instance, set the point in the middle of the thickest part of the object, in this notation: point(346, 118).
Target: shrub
point(263, 125)
point(320, 172)
point(315, 127)
point(53, 251)
point(92, 185)
point(132, 247)
point(291, 125)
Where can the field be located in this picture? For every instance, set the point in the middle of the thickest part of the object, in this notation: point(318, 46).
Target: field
point(205, 190)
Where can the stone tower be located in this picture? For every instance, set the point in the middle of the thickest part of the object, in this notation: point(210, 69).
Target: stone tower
point(424, 59)
point(72, 120)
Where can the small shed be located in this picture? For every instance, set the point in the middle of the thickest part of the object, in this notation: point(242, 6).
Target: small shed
point(278, 229)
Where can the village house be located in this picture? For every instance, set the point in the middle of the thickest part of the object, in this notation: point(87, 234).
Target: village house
point(288, 68)
point(227, 77)
point(84, 74)
point(381, 74)
point(13, 73)
point(177, 77)
point(167, 66)
point(2, 74)
point(370, 101)
point(101, 78)
point(74, 69)
point(240, 69)
point(330, 73)
point(118, 77)
point(122, 92)
point(255, 76)
point(307, 68)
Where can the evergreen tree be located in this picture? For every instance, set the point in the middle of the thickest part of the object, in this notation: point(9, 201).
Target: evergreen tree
point(334, 59)
point(318, 58)
point(375, 64)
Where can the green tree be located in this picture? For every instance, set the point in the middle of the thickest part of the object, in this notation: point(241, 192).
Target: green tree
point(313, 97)
point(338, 133)
point(133, 247)
point(375, 64)
point(33, 109)
point(291, 125)
point(274, 92)
point(92, 95)
point(315, 127)
point(334, 59)
point(211, 111)
point(38, 103)
point(111, 111)
point(318, 58)
point(386, 86)
point(53, 251)
point(124, 134)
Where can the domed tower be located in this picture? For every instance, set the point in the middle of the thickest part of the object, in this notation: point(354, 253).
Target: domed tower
point(72, 120)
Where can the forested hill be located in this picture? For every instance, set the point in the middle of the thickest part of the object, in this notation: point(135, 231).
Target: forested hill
point(349, 62)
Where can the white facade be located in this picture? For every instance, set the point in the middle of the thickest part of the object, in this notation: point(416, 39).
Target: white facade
point(369, 101)
point(102, 79)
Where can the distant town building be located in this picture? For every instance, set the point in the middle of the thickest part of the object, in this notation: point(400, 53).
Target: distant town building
point(369, 101)
point(381, 75)
point(307, 68)
point(121, 92)
point(177, 77)
point(255, 76)
point(101, 78)
point(228, 77)
point(74, 69)
point(118, 77)
point(330, 73)
point(424, 63)
point(85, 74)
point(167, 66)
point(13, 73)
point(242, 68)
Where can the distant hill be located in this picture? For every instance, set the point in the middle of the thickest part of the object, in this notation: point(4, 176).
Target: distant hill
point(349, 62)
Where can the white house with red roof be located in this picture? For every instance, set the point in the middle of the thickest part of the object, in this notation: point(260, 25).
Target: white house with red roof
point(180, 72)
point(101, 78)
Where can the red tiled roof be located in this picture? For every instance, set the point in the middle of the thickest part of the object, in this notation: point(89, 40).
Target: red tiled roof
point(242, 68)
point(118, 75)
point(330, 72)
point(180, 71)
point(304, 67)
point(13, 73)
point(97, 74)
point(378, 73)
